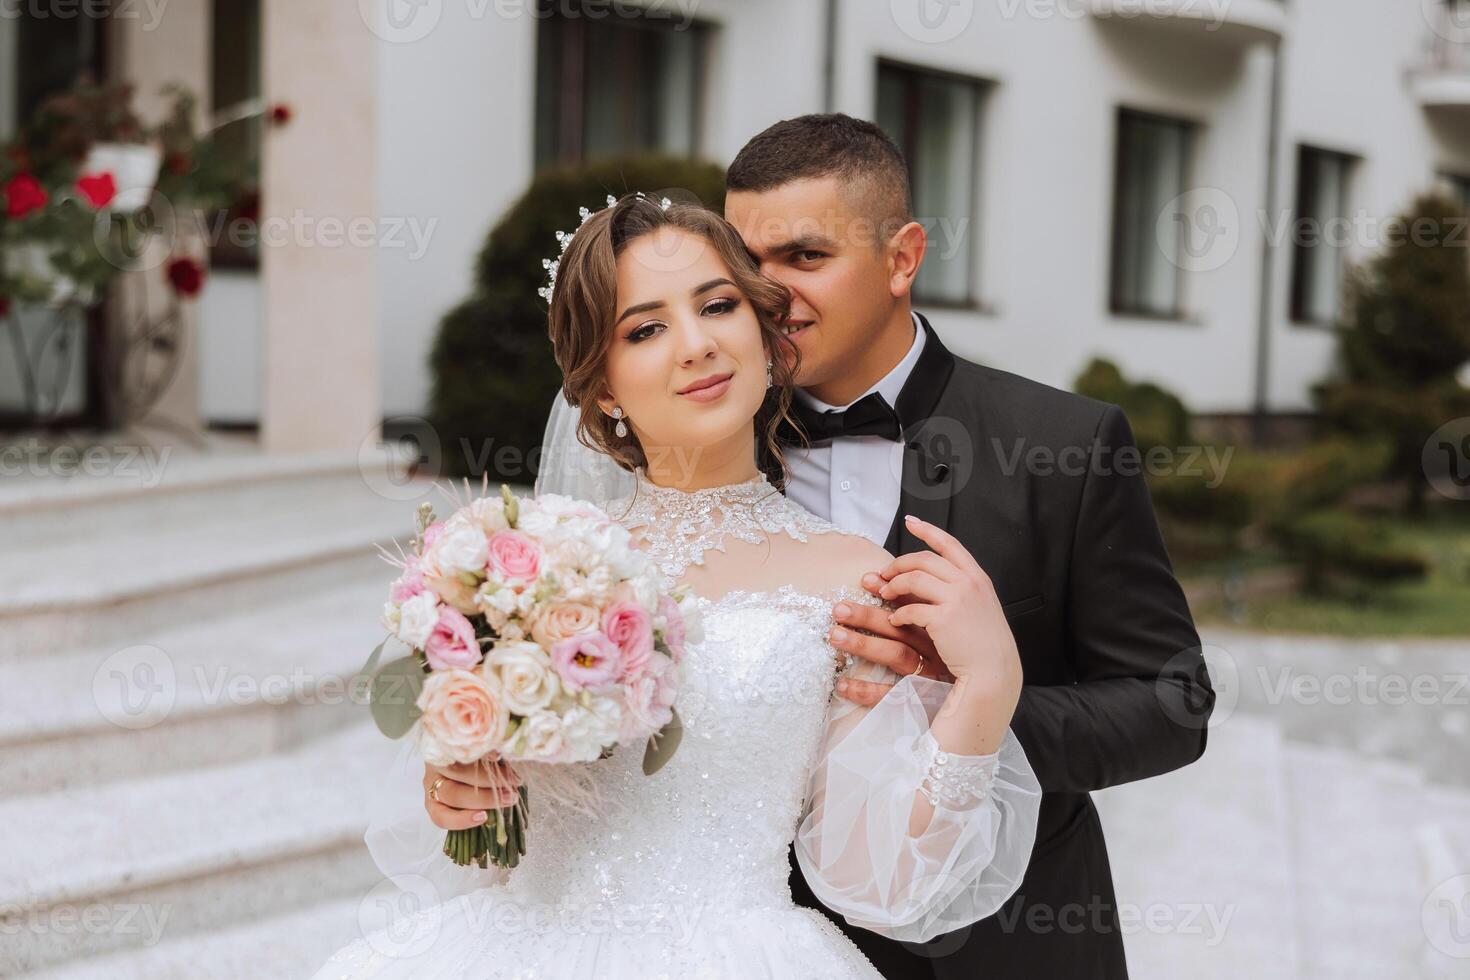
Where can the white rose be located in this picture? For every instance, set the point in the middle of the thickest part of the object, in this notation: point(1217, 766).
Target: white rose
point(693, 622)
point(588, 729)
point(391, 616)
point(540, 737)
point(528, 681)
point(461, 549)
point(417, 618)
point(536, 523)
point(486, 513)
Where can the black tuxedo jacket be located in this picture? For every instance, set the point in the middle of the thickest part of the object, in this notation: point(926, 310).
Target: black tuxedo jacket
point(1046, 490)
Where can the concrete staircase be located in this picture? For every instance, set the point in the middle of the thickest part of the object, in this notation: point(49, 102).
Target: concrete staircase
point(183, 754)
point(1286, 852)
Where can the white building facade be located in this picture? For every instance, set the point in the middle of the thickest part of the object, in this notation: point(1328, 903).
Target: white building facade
point(1175, 185)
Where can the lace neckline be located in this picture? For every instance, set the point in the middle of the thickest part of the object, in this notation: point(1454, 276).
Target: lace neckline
point(687, 523)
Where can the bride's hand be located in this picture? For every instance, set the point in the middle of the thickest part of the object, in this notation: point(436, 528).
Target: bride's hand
point(467, 792)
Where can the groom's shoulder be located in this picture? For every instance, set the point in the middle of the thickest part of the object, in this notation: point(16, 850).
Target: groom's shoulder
point(1017, 403)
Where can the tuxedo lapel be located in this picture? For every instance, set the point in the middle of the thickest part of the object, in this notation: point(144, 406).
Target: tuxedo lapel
point(930, 442)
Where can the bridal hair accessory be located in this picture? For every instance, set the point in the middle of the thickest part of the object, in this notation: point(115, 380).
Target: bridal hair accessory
point(620, 429)
point(565, 238)
point(770, 379)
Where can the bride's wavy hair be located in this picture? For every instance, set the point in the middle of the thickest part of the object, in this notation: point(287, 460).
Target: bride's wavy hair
point(583, 311)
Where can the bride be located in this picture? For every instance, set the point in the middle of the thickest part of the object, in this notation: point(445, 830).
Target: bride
point(911, 818)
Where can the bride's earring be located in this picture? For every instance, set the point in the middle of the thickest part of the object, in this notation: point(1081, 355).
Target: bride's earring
point(620, 429)
point(769, 377)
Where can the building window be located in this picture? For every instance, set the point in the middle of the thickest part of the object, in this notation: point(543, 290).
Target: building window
point(616, 84)
point(1317, 246)
point(237, 111)
point(1150, 171)
point(935, 120)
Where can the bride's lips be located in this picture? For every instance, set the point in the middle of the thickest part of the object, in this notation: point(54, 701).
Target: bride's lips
point(708, 389)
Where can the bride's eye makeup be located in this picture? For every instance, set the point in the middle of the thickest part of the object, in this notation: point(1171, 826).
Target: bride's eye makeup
point(643, 331)
point(720, 306)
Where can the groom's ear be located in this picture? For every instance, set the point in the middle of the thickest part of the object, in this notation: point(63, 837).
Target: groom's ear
point(905, 254)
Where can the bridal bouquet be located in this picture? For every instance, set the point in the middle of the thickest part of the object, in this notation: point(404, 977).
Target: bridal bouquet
point(539, 635)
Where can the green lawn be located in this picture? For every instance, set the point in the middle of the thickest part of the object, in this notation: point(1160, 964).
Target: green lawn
point(1437, 606)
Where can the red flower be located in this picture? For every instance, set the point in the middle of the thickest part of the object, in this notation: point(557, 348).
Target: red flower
point(280, 113)
point(186, 276)
point(98, 189)
point(23, 195)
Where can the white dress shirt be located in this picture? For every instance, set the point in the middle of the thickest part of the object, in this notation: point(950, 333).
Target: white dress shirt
point(854, 482)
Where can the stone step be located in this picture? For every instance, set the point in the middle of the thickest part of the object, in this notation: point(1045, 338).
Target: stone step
point(1202, 864)
point(110, 573)
point(104, 475)
point(294, 945)
point(87, 871)
point(1358, 890)
point(226, 689)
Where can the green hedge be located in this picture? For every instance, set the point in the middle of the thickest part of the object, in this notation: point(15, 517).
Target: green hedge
point(493, 373)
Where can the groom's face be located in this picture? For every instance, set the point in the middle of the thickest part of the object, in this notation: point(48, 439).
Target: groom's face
point(810, 237)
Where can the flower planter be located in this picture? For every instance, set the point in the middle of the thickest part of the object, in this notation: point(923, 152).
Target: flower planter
point(134, 167)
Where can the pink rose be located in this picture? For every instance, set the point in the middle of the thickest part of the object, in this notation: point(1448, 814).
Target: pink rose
point(452, 643)
point(628, 625)
point(462, 718)
point(673, 626)
point(410, 583)
point(431, 534)
point(586, 660)
point(514, 555)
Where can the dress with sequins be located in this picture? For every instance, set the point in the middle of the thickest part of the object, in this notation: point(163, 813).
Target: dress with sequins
point(684, 874)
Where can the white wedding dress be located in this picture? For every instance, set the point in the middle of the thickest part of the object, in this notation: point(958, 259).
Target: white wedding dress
point(684, 874)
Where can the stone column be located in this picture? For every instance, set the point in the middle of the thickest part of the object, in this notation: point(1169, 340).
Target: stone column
point(319, 173)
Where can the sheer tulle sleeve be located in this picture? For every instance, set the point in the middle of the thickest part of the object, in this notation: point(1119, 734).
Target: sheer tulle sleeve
point(405, 844)
point(854, 845)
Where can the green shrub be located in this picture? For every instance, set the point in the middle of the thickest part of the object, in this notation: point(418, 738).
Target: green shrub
point(1332, 544)
point(1157, 416)
point(493, 373)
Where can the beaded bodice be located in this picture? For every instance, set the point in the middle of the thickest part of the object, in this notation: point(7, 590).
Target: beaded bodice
point(693, 522)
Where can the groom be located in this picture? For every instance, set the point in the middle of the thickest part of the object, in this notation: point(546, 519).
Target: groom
point(1042, 486)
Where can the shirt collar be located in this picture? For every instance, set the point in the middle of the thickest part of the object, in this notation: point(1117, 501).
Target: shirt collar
point(889, 385)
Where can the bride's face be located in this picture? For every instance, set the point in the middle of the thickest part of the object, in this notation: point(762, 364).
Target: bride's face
point(687, 364)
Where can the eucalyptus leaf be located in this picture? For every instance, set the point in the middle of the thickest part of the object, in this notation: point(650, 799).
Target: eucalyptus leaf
point(662, 745)
point(393, 696)
point(372, 660)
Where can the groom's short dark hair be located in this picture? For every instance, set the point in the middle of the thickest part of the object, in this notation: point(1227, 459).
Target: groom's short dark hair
point(855, 151)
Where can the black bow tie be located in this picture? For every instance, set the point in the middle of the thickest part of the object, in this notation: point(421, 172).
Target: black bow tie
point(870, 415)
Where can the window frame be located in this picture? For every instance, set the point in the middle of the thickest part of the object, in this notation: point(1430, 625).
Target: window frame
point(1190, 130)
point(1297, 313)
point(914, 74)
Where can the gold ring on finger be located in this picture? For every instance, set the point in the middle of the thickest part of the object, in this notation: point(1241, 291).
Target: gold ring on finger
point(919, 669)
point(434, 790)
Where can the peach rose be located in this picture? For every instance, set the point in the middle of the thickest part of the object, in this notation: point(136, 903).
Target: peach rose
point(462, 718)
point(562, 620)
